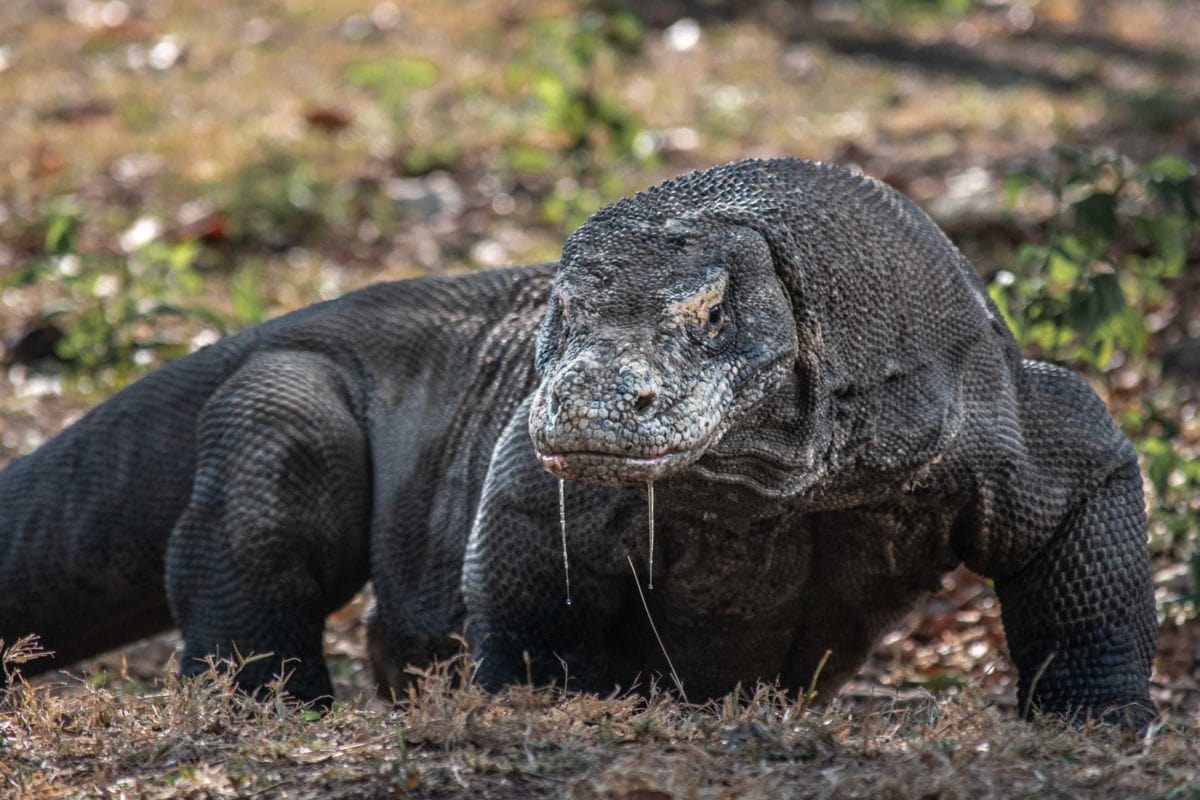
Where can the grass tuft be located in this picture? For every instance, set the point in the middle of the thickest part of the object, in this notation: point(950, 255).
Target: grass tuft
point(446, 737)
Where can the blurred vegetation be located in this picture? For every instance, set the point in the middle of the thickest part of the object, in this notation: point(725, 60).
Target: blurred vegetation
point(1115, 243)
point(195, 169)
point(885, 10)
point(1116, 234)
point(579, 124)
point(107, 320)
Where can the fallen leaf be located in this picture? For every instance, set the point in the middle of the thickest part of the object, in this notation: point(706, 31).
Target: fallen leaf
point(328, 119)
point(47, 161)
point(209, 228)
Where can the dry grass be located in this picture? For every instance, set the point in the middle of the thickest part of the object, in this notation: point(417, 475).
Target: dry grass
point(447, 738)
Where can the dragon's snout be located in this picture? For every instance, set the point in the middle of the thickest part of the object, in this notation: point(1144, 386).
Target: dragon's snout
point(606, 422)
point(629, 391)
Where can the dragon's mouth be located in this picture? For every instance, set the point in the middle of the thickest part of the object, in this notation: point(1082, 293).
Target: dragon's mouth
point(604, 467)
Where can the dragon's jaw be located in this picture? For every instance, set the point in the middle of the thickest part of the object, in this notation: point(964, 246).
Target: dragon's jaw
point(631, 449)
point(582, 437)
point(609, 468)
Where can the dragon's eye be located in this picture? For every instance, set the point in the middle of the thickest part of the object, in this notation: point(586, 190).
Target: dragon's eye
point(716, 317)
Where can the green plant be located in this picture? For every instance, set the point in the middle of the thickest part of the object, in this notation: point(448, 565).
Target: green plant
point(393, 80)
point(112, 309)
point(276, 202)
point(578, 127)
point(887, 10)
point(1117, 236)
point(563, 65)
point(1117, 232)
point(1174, 478)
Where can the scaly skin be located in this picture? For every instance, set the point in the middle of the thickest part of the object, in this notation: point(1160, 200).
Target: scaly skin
point(831, 411)
point(241, 488)
point(834, 415)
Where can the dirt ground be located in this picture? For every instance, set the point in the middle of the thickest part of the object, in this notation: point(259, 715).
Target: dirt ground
point(174, 114)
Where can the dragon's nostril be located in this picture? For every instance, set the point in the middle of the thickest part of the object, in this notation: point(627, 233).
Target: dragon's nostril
point(644, 398)
point(553, 401)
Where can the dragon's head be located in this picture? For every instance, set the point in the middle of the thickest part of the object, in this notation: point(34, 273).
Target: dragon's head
point(659, 336)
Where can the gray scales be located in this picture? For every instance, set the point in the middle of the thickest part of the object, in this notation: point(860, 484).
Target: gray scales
point(793, 358)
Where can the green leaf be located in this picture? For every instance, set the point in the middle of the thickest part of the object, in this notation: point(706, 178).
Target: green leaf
point(392, 74)
point(1128, 329)
point(28, 273)
point(1168, 234)
point(188, 279)
point(1159, 470)
point(182, 256)
point(1062, 270)
point(1170, 167)
point(551, 91)
point(1097, 213)
point(1015, 183)
point(625, 30)
point(416, 73)
point(1110, 299)
point(529, 158)
point(1044, 334)
point(392, 79)
point(61, 234)
point(1079, 250)
point(248, 305)
point(1000, 298)
point(1101, 346)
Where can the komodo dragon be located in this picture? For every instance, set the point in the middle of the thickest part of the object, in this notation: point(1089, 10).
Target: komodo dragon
point(793, 358)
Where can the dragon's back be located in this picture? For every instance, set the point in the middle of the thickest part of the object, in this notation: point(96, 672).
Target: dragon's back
point(85, 519)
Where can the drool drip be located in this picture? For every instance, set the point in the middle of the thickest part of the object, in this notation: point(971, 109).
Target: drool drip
point(650, 498)
point(562, 522)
